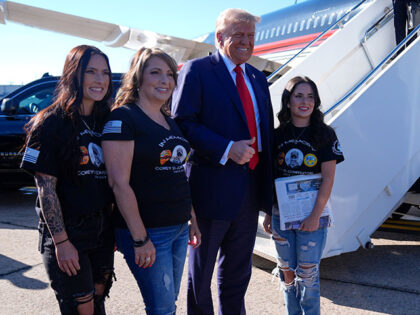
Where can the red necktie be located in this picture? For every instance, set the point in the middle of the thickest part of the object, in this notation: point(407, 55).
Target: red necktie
point(249, 113)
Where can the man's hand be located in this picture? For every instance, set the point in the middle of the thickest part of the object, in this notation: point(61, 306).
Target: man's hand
point(194, 234)
point(67, 258)
point(241, 151)
point(267, 224)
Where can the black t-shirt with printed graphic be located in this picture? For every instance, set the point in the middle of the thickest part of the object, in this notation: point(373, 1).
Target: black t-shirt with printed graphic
point(157, 173)
point(295, 153)
point(89, 192)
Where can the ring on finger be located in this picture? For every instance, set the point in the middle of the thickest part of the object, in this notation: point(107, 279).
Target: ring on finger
point(148, 259)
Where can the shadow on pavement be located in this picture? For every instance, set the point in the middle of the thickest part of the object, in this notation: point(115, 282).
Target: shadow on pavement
point(13, 271)
point(17, 209)
point(348, 279)
point(383, 279)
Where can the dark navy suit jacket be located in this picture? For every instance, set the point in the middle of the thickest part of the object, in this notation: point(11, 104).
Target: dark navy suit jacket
point(207, 107)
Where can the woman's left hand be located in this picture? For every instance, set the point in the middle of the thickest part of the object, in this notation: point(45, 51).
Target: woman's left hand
point(310, 224)
point(194, 234)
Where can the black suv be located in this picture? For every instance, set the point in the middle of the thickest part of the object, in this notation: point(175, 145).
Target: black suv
point(17, 108)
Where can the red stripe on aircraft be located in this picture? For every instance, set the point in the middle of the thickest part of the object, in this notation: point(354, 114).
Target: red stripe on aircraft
point(290, 44)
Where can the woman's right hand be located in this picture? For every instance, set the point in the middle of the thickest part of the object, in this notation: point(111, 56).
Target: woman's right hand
point(67, 258)
point(145, 256)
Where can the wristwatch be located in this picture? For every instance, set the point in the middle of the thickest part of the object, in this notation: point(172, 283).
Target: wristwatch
point(141, 243)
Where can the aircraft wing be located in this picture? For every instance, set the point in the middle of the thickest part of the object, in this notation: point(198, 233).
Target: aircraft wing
point(112, 35)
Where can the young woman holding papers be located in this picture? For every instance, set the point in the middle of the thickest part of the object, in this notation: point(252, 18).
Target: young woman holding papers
point(304, 145)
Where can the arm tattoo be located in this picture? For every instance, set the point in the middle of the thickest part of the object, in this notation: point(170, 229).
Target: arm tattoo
point(50, 204)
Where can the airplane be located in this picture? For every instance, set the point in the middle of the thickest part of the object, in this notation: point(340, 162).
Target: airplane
point(279, 35)
point(282, 33)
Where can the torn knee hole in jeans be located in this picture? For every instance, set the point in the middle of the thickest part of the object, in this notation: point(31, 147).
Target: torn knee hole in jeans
point(106, 278)
point(307, 274)
point(83, 298)
point(280, 240)
point(286, 286)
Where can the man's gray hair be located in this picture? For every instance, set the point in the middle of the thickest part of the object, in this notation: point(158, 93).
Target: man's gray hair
point(232, 16)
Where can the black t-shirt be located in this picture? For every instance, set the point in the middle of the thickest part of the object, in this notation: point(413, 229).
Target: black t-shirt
point(87, 192)
point(157, 174)
point(295, 153)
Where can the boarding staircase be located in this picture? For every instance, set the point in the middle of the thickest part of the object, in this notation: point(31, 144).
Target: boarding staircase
point(370, 96)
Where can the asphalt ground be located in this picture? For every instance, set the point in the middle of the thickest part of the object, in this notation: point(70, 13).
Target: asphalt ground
point(382, 280)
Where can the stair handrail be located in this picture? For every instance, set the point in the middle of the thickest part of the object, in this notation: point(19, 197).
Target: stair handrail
point(338, 22)
point(374, 70)
point(388, 15)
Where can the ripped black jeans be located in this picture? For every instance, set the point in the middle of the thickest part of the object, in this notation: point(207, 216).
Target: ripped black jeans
point(93, 237)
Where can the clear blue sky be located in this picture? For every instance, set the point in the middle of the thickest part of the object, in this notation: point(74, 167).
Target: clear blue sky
point(26, 53)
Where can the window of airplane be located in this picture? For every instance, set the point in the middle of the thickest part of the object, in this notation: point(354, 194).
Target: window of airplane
point(331, 18)
point(308, 24)
point(339, 14)
point(272, 32)
point(262, 35)
point(267, 34)
point(257, 36)
point(289, 28)
point(348, 16)
point(323, 20)
point(283, 30)
point(278, 31)
point(316, 21)
point(296, 26)
point(302, 25)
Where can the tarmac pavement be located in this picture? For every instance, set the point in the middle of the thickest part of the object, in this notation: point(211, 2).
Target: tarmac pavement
point(382, 280)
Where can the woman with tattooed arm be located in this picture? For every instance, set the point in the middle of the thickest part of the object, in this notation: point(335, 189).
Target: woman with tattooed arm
point(64, 154)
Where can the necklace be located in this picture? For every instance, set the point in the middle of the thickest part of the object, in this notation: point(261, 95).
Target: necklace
point(301, 133)
point(87, 126)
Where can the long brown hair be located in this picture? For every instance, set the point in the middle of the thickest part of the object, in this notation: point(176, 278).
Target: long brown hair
point(319, 128)
point(133, 79)
point(68, 101)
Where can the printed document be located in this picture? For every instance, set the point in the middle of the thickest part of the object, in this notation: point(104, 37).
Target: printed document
point(296, 197)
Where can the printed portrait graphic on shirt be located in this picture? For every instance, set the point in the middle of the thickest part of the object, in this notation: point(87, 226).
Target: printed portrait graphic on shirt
point(95, 154)
point(294, 158)
point(179, 154)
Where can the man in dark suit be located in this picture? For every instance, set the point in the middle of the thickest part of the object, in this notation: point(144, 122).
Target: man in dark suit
point(223, 107)
point(400, 19)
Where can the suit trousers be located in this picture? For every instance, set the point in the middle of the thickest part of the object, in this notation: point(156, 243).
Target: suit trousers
point(233, 241)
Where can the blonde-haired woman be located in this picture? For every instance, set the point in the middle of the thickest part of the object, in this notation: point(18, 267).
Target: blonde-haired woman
point(144, 154)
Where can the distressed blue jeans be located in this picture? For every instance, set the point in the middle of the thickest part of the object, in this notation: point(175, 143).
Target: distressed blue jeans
point(300, 252)
point(159, 284)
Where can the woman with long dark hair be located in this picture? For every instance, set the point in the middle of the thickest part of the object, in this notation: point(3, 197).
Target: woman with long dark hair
point(64, 154)
point(144, 154)
point(304, 145)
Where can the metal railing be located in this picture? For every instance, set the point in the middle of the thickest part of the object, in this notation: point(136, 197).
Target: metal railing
point(387, 17)
point(338, 23)
point(373, 71)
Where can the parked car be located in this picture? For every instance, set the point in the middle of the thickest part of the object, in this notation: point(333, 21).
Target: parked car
point(17, 108)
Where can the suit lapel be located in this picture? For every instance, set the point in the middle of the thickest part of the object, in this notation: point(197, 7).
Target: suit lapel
point(225, 78)
point(259, 96)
